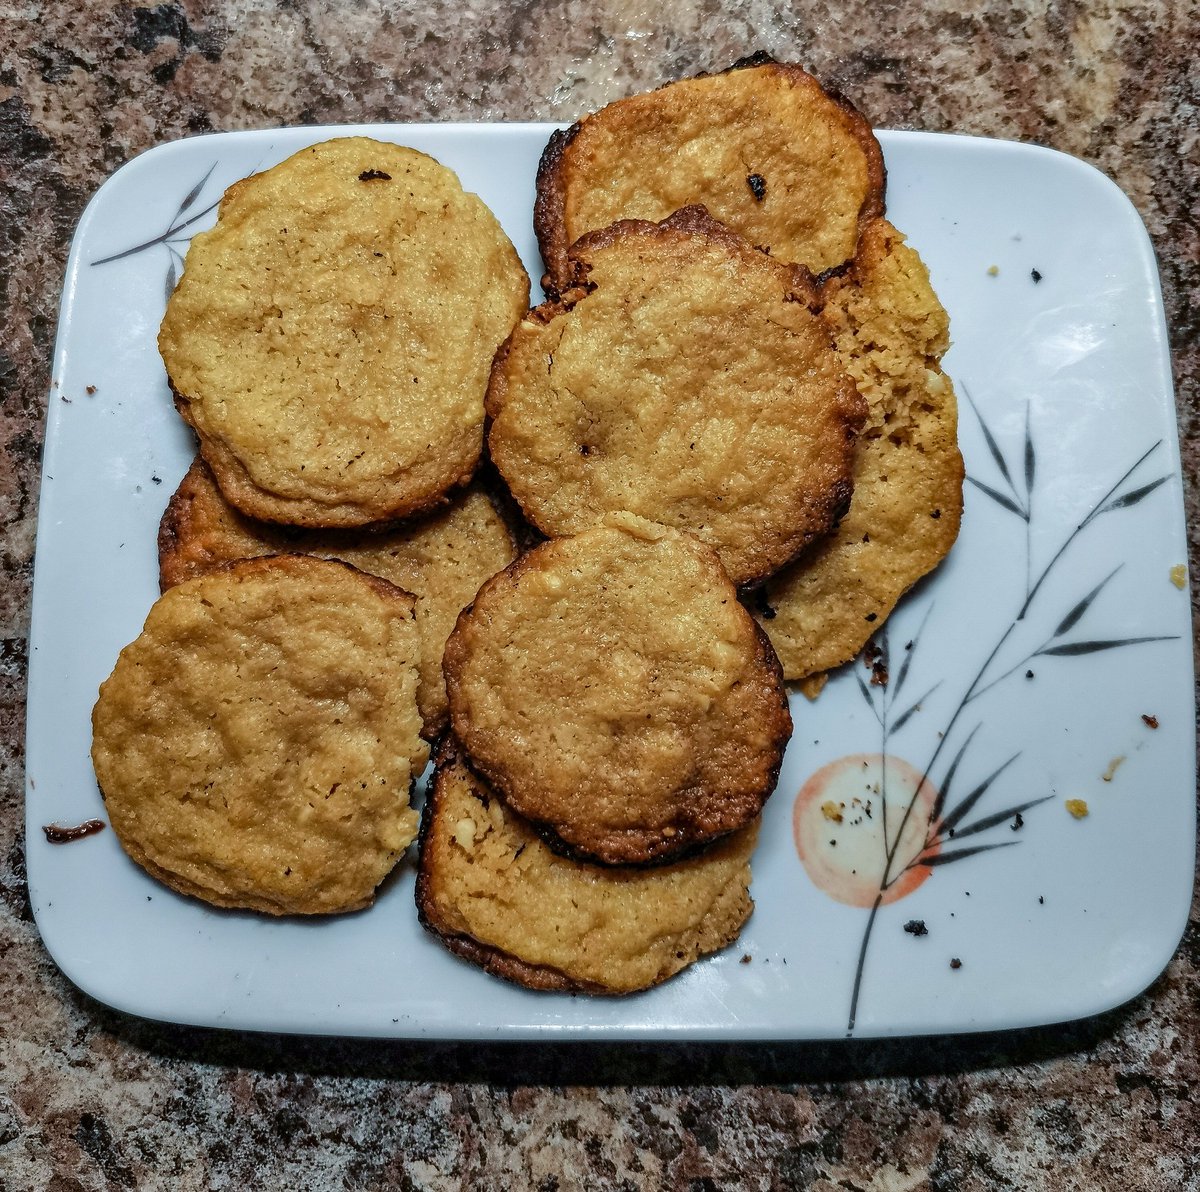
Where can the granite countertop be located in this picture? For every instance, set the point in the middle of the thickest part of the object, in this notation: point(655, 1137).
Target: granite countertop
point(90, 1098)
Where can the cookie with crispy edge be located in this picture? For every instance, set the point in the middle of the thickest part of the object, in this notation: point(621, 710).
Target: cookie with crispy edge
point(257, 743)
point(491, 890)
point(682, 377)
point(791, 165)
point(617, 695)
point(891, 333)
point(331, 336)
point(441, 558)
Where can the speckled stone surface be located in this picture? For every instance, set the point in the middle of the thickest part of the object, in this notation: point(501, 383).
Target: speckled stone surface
point(92, 1099)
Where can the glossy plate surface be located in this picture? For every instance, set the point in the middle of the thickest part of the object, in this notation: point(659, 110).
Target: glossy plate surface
point(1049, 659)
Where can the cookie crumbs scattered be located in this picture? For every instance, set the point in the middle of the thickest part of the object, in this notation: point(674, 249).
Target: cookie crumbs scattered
point(1113, 766)
point(1179, 576)
point(1077, 807)
point(1029, 674)
point(1150, 721)
point(1035, 275)
point(745, 958)
point(1041, 900)
point(831, 811)
point(90, 390)
point(993, 271)
point(916, 927)
point(955, 963)
point(156, 479)
point(1018, 822)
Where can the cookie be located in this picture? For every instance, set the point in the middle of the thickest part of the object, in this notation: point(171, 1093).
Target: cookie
point(791, 166)
point(891, 332)
point(256, 744)
point(617, 695)
point(684, 378)
point(441, 558)
point(493, 893)
point(330, 338)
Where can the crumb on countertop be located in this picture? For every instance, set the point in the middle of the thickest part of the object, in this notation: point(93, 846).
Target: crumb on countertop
point(1077, 807)
point(831, 811)
point(1150, 721)
point(1179, 575)
point(1113, 767)
point(993, 271)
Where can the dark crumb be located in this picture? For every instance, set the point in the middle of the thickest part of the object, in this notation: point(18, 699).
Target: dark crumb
point(935, 514)
point(1041, 900)
point(584, 449)
point(65, 398)
point(58, 835)
point(1150, 721)
point(745, 958)
point(758, 186)
point(764, 608)
point(1029, 674)
point(374, 175)
point(872, 616)
point(156, 479)
point(866, 538)
point(1035, 275)
point(955, 963)
point(833, 844)
point(908, 645)
point(1018, 822)
point(90, 390)
point(916, 927)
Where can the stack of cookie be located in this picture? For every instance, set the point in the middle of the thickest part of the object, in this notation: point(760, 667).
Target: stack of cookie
point(330, 342)
point(733, 389)
point(738, 361)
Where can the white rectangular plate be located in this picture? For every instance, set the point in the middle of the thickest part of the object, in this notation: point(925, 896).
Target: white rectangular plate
point(1068, 427)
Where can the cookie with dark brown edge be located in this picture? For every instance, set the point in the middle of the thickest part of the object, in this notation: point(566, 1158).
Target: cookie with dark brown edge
point(256, 745)
point(617, 695)
point(682, 377)
point(494, 894)
point(441, 558)
point(891, 332)
point(791, 166)
point(331, 336)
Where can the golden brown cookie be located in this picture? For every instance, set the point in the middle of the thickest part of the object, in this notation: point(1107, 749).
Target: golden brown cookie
point(492, 891)
point(257, 743)
point(792, 167)
point(440, 558)
point(617, 695)
point(891, 332)
point(331, 337)
point(684, 378)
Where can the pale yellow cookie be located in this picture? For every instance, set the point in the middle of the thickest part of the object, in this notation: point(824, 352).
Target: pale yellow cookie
point(330, 338)
point(256, 745)
point(891, 332)
point(493, 892)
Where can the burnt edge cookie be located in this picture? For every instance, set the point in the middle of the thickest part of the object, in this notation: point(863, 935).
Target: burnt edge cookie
point(830, 505)
point(550, 193)
point(685, 842)
point(495, 961)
